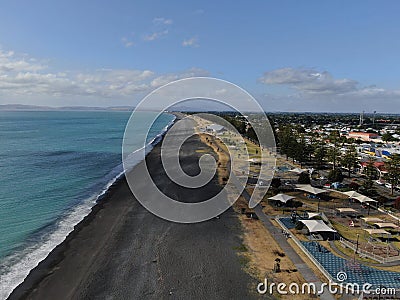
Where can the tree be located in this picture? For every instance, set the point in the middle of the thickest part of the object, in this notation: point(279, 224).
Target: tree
point(335, 175)
point(370, 170)
point(304, 178)
point(285, 139)
point(276, 183)
point(320, 154)
point(294, 203)
point(354, 186)
point(300, 150)
point(251, 134)
point(311, 146)
point(333, 152)
point(393, 169)
point(371, 173)
point(387, 137)
point(350, 159)
point(397, 203)
point(240, 125)
point(334, 155)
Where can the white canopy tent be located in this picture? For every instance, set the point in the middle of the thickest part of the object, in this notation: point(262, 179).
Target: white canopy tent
point(371, 219)
point(347, 210)
point(298, 170)
point(377, 231)
point(310, 189)
point(352, 194)
point(359, 197)
point(312, 215)
point(317, 226)
point(364, 199)
point(282, 198)
point(386, 225)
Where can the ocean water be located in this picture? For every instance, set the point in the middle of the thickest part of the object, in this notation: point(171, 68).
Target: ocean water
point(53, 168)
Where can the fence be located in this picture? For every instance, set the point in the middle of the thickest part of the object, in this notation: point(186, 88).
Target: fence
point(368, 254)
point(306, 252)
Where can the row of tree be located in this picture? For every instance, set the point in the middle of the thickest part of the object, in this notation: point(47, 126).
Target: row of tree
point(316, 151)
point(293, 144)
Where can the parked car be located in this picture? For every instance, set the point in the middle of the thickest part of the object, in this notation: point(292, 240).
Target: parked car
point(337, 185)
point(379, 182)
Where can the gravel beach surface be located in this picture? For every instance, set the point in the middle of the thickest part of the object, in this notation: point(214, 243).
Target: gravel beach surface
point(122, 251)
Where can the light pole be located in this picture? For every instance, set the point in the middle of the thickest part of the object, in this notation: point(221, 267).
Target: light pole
point(355, 252)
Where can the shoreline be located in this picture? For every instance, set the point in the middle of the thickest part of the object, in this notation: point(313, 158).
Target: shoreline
point(41, 270)
point(54, 255)
point(73, 265)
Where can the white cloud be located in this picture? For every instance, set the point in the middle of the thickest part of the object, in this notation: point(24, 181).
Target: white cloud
point(155, 35)
point(160, 29)
point(127, 42)
point(162, 21)
point(10, 62)
point(23, 76)
point(192, 42)
point(166, 78)
point(309, 81)
point(320, 91)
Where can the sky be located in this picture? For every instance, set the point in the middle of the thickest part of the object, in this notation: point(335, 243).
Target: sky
point(330, 56)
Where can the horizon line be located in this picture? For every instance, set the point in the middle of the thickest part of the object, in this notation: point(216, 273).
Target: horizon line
point(29, 107)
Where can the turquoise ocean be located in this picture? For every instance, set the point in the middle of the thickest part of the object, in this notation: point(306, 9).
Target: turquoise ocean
point(54, 166)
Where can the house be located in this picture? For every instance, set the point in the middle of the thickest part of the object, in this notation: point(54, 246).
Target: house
point(364, 136)
point(379, 166)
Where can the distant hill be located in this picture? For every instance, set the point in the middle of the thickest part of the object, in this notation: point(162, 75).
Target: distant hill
point(22, 107)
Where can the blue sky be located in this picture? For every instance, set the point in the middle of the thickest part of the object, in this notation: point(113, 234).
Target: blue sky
point(291, 55)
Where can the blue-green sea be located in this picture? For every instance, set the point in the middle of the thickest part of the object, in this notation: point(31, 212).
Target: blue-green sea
point(54, 165)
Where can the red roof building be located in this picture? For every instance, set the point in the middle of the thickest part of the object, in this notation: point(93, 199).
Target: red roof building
point(364, 136)
point(379, 165)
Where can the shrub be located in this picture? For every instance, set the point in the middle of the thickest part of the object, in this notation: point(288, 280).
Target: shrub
point(335, 175)
point(294, 203)
point(278, 253)
point(299, 226)
point(304, 178)
point(276, 182)
point(397, 203)
point(354, 186)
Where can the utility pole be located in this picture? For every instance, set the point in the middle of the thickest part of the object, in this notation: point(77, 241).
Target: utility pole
point(362, 118)
point(373, 119)
point(356, 250)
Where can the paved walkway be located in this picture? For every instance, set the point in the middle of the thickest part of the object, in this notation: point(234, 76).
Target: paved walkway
point(307, 273)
